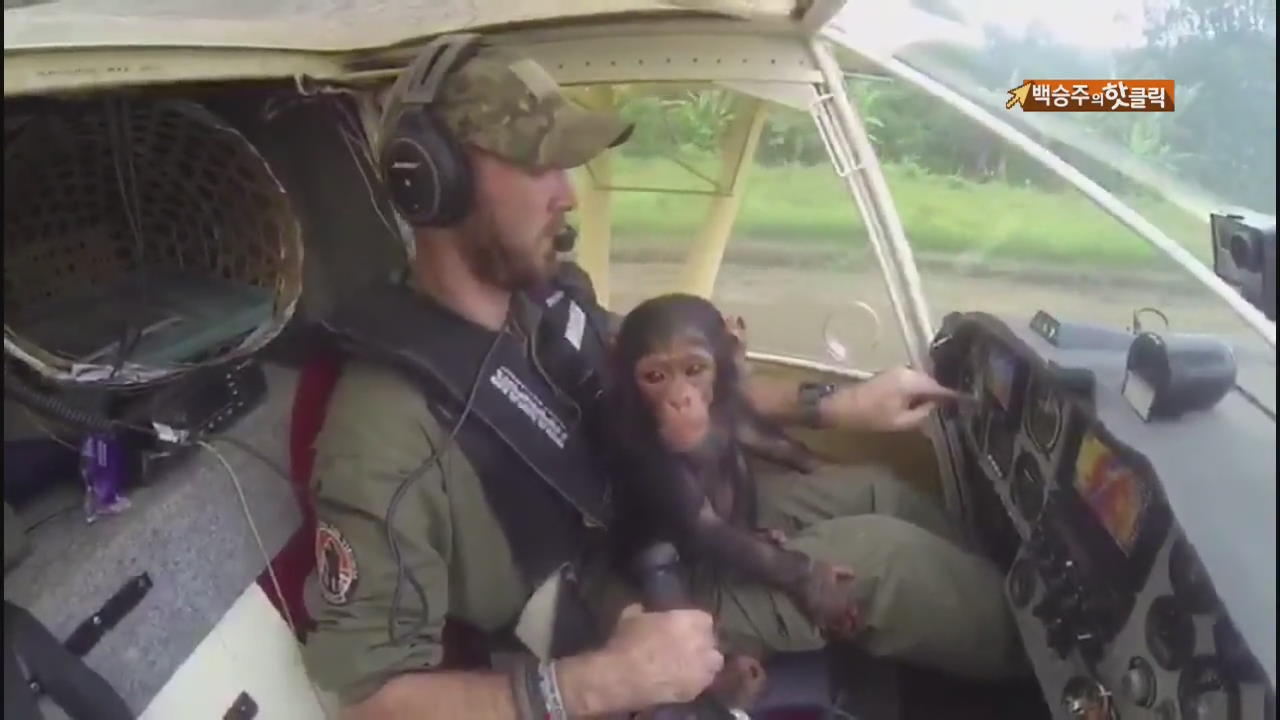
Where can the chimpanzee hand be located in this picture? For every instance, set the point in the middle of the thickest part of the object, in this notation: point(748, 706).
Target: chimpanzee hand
point(773, 536)
point(740, 682)
point(828, 599)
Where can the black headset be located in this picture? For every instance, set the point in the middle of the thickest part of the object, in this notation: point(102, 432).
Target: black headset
point(425, 170)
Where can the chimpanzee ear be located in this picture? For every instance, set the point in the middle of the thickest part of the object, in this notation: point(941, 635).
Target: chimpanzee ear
point(736, 328)
point(732, 324)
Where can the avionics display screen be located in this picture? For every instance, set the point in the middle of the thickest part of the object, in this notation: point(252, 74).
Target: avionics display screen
point(999, 375)
point(1112, 490)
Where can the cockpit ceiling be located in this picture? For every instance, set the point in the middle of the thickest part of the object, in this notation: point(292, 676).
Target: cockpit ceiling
point(323, 25)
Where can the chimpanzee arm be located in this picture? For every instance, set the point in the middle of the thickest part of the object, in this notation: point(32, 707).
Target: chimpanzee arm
point(775, 398)
point(747, 553)
point(678, 501)
point(760, 437)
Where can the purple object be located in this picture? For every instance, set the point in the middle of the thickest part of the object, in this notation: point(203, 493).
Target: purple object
point(103, 467)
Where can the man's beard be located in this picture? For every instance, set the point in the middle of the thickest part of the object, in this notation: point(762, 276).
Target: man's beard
point(495, 263)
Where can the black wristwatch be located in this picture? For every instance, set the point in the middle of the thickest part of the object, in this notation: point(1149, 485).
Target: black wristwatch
point(810, 397)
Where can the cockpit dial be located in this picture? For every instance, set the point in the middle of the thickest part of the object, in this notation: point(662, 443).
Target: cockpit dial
point(1044, 416)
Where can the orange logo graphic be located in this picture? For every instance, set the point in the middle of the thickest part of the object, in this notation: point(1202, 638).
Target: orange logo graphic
point(1093, 96)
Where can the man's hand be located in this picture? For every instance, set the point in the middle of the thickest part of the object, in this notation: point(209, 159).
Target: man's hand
point(651, 659)
point(669, 656)
point(895, 400)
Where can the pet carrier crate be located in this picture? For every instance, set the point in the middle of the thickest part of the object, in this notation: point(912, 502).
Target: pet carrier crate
point(142, 238)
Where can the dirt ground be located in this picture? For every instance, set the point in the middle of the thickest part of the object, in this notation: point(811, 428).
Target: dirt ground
point(786, 308)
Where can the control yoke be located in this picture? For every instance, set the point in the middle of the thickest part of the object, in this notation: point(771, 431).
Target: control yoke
point(658, 570)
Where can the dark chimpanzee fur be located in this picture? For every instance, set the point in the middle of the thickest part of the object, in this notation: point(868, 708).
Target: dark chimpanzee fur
point(759, 436)
point(704, 500)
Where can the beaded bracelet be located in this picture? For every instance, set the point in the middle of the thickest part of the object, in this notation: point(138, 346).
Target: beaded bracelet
point(526, 691)
point(551, 692)
point(536, 691)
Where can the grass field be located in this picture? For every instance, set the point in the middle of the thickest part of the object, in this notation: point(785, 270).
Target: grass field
point(941, 215)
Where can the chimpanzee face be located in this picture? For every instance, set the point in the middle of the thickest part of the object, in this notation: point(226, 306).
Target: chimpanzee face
point(677, 380)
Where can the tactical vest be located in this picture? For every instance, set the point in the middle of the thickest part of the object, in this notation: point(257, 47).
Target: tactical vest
point(531, 408)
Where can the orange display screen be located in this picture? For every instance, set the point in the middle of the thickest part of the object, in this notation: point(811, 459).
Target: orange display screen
point(1112, 490)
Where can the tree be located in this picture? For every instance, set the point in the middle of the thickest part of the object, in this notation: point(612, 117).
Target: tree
point(1222, 53)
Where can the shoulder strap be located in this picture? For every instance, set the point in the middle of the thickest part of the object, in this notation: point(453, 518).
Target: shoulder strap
point(537, 469)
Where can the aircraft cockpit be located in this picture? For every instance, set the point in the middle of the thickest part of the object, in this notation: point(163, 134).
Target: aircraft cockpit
point(189, 191)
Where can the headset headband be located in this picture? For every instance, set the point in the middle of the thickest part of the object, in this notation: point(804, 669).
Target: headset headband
point(419, 84)
point(424, 169)
point(432, 65)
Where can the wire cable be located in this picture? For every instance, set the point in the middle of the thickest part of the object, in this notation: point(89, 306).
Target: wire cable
point(1254, 401)
point(253, 528)
point(262, 548)
point(35, 420)
point(368, 185)
point(255, 452)
point(436, 457)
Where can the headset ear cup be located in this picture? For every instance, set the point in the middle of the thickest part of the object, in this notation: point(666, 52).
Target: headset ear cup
point(426, 173)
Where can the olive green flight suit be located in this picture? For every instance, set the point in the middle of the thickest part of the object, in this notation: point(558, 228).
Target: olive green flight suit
point(924, 598)
point(15, 539)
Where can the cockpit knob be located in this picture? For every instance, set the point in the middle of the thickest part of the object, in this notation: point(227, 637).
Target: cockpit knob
point(1085, 698)
point(1139, 683)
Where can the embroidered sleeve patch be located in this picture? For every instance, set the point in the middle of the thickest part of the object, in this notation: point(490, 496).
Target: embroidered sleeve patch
point(335, 565)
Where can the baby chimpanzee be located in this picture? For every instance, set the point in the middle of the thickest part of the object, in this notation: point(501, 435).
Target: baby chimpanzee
point(675, 407)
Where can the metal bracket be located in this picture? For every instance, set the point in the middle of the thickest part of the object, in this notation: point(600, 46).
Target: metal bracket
point(91, 631)
point(1136, 328)
point(308, 86)
point(244, 708)
point(821, 115)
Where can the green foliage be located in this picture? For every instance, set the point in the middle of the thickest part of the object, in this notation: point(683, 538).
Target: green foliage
point(959, 189)
point(808, 205)
point(1221, 55)
point(1222, 136)
point(695, 122)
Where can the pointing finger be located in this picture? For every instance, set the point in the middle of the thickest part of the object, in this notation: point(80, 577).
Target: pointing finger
point(926, 388)
point(916, 415)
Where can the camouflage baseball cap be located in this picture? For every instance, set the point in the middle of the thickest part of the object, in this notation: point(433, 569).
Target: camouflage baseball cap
point(510, 106)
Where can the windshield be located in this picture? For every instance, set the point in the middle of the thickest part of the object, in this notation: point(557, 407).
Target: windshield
point(993, 230)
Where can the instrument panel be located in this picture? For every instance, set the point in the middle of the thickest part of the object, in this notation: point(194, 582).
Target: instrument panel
point(1117, 615)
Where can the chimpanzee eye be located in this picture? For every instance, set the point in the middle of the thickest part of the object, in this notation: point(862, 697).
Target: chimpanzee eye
point(653, 377)
point(695, 369)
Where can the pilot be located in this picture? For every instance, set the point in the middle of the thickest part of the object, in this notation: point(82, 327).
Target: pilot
point(444, 492)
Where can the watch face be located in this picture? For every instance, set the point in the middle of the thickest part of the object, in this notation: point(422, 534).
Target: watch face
point(816, 391)
point(810, 395)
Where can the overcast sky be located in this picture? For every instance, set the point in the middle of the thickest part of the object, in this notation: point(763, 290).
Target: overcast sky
point(1084, 23)
point(1090, 25)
